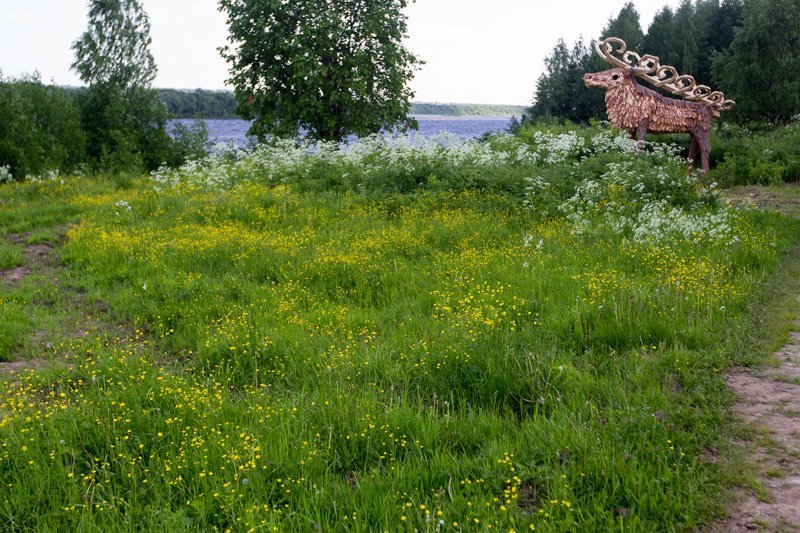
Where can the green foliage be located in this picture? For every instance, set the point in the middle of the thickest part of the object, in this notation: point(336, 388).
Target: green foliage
point(658, 40)
point(685, 38)
point(39, 129)
point(560, 92)
point(187, 143)
point(336, 360)
point(761, 69)
point(126, 129)
point(766, 157)
point(124, 121)
point(199, 103)
point(115, 48)
point(626, 26)
point(329, 68)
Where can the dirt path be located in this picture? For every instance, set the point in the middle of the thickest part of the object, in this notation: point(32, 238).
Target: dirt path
point(769, 400)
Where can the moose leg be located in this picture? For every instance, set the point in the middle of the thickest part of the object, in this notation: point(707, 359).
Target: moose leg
point(705, 151)
point(693, 147)
point(641, 133)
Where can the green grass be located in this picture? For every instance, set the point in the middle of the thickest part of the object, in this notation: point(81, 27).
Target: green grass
point(273, 359)
point(10, 255)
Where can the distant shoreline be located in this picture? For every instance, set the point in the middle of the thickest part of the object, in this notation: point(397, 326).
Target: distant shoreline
point(417, 116)
point(222, 105)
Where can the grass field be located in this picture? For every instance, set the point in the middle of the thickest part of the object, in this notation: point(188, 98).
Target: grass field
point(292, 341)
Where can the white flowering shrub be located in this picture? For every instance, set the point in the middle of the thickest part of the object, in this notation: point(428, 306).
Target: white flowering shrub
point(606, 179)
point(650, 204)
point(658, 221)
point(50, 175)
point(5, 174)
point(377, 157)
point(399, 163)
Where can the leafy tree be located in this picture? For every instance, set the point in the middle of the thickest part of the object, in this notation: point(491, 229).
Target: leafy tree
point(331, 68)
point(115, 48)
point(761, 69)
point(124, 120)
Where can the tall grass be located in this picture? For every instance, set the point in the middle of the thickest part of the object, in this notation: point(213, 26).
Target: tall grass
point(399, 335)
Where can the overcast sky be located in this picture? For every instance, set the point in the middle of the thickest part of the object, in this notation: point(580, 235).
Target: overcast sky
point(476, 51)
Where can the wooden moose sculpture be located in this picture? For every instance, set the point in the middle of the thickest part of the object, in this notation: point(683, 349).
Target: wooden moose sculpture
point(640, 110)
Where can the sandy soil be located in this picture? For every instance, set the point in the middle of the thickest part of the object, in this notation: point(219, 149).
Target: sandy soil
point(769, 399)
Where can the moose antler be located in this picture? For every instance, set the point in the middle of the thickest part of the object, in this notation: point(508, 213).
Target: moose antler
point(649, 68)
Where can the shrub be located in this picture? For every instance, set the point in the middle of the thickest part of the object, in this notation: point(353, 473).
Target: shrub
point(750, 156)
point(39, 129)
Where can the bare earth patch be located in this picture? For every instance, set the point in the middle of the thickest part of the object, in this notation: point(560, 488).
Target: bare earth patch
point(15, 367)
point(785, 199)
point(14, 275)
point(769, 399)
point(37, 251)
point(17, 238)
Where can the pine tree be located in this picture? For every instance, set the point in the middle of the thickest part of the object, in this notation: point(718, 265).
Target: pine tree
point(685, 39)
point(658, 40)
point(627, 27)
point(761, 69)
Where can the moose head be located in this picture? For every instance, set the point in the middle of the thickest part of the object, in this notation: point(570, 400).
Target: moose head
point(608, 79)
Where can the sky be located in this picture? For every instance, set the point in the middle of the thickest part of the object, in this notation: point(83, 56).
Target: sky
point(475, 51)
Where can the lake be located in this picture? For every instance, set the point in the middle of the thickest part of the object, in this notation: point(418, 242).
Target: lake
point(233, 130)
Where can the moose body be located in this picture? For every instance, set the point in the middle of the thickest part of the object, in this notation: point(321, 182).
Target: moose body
point(640, 110)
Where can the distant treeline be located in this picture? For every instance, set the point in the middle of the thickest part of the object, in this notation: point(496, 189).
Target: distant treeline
point(202, 103)
point(467, 110)
point(199, 103)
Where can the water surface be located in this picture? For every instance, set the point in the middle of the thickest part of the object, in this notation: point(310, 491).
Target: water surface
point(235, 131)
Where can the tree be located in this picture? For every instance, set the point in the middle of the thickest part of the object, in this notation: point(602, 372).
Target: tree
point(560, 91)
point(658, 40)
point(120, 112)
point(627, 27)
point(685, 39)
point(761, 69)
point(331, 68)
point(115, 48)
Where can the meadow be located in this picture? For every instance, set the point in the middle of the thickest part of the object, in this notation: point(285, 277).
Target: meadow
point(526, 333)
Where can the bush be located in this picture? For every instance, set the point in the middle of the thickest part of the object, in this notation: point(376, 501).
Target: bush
point(39, 129)
point(756, 156)
point(187, 142)
point(126, 129)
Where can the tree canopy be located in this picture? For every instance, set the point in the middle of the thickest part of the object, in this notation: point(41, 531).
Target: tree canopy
point(761, 68)
point(115, 48)
point(123, 118)
point(329, 68)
